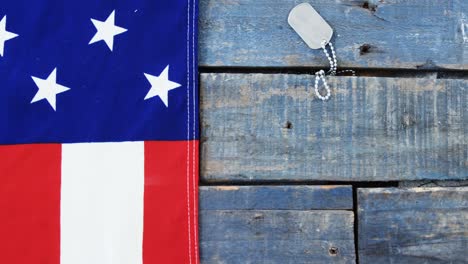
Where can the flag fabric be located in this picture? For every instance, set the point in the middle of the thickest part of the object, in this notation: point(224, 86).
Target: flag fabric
point(98, 132)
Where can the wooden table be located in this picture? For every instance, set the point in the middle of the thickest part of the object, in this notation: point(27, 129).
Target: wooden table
point(374, 175)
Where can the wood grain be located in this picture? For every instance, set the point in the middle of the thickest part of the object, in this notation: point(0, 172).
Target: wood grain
point(270, 127)
point(276, 197)
point(412, 184)
point(276, 236)
point(425, 34)
point(416, 225)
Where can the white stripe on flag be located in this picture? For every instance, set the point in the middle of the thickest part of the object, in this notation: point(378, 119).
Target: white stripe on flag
point(102, 203)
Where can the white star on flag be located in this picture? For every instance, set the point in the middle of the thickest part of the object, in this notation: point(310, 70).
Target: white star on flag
point(48, 89)
point(106, 30)
point(4, 35)
point(160, 86)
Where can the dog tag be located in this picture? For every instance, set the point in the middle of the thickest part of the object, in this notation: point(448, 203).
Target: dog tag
point(310, 26)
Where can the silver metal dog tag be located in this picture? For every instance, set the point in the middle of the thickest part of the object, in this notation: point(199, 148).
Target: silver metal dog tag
point(310, 26)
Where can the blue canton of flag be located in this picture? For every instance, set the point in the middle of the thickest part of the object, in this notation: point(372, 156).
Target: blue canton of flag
point(94, 71)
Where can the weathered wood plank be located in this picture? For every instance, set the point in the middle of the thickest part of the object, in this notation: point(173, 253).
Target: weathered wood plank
point(276, 197)
point(271, 127)
point(412, 184)
point(276, 236)
point(418, 225)
point(427, 34)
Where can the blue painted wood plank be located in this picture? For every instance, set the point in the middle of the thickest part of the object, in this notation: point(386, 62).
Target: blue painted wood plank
point(276, 197)
point(415, 225)
point(271, 127)
point(409, 184)
point(276, 236)
point(425, 34)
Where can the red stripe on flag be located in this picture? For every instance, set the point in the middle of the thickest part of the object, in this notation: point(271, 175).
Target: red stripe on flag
point(169, 173)
point(195, 169)
point(30, 203)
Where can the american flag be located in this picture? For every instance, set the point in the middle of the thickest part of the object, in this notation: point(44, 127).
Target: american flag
point(98, 132)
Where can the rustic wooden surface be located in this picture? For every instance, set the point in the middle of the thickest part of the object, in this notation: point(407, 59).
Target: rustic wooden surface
point(405, 126)
point(415, 225)
point(265, 127)
point(242, 228)
point(433, 183)
point(276, 197)
point(423, 34)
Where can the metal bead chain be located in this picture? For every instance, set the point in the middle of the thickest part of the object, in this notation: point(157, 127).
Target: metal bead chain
point(320, 75)
point(333, 62)
point(351, 71)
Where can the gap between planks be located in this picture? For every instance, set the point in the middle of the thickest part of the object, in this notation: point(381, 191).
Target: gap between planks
point(360, 72)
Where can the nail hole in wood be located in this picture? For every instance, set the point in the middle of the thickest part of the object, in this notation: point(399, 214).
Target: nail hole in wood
point(288, 125)
point(368, 6)
point(333, 251)
point(364, 49)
